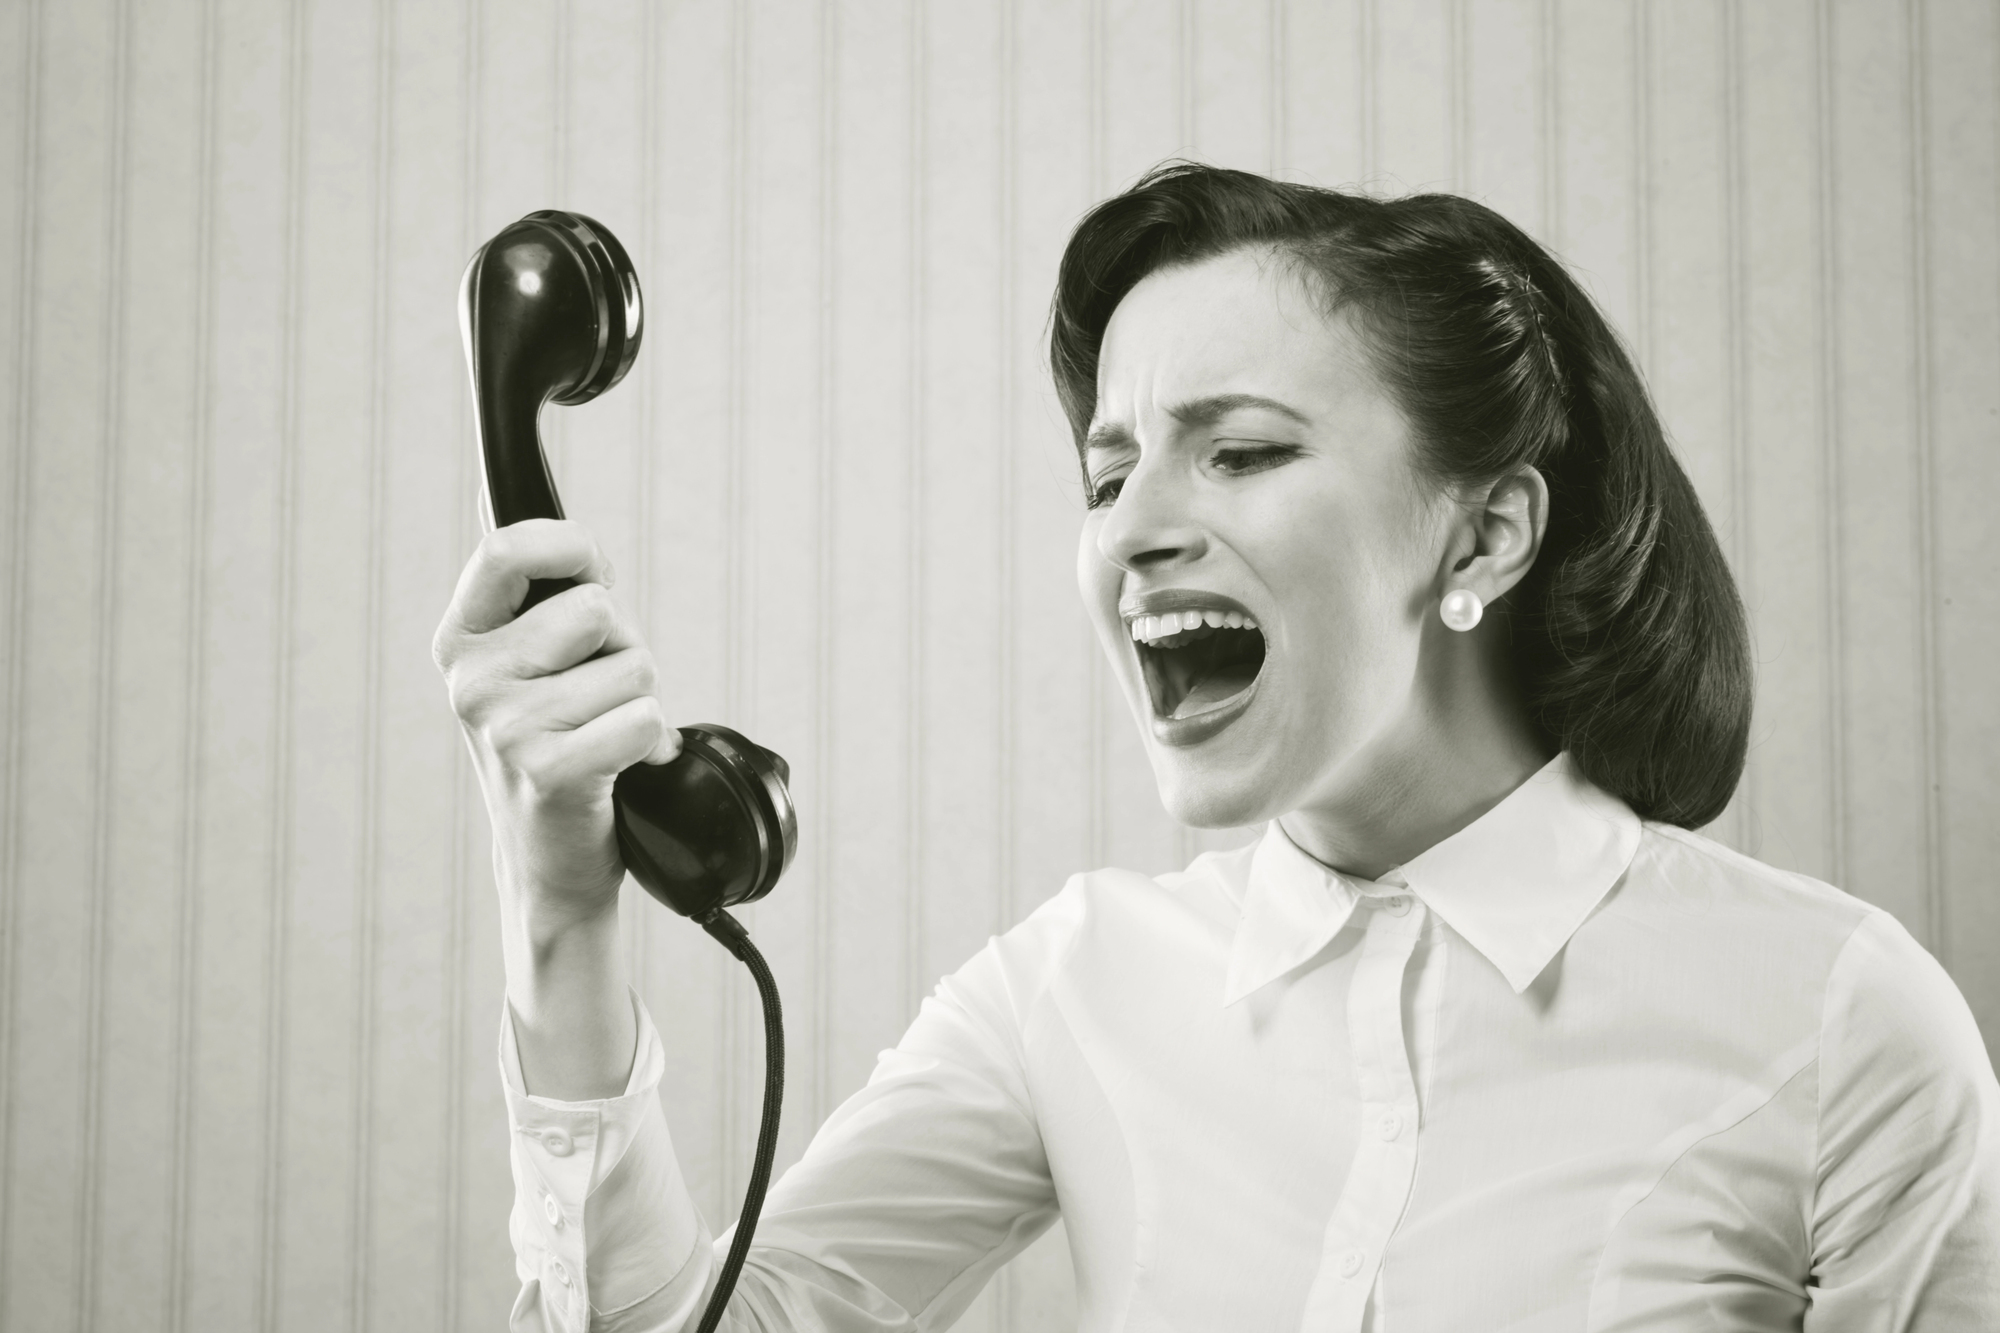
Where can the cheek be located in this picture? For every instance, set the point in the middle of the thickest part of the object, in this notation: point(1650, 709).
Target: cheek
point(1353, 582)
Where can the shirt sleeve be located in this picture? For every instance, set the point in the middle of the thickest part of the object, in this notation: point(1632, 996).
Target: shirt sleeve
point(1906, 1221)
point(910, 1197)
point(602, 1219)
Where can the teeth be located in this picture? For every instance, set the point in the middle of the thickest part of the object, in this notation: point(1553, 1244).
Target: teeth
point(1151, 629)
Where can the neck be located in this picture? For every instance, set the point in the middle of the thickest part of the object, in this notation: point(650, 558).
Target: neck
point(1462, 745)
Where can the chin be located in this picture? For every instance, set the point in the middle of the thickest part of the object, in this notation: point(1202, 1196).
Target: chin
point(1219, 796)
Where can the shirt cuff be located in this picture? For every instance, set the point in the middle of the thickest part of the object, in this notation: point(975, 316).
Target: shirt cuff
point(602, 1218)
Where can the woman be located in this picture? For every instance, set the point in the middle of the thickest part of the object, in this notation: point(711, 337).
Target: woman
point(1386, 547)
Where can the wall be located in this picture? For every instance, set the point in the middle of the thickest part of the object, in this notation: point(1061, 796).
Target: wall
point(251, 985)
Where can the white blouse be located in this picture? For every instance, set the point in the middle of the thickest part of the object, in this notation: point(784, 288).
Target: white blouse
point(1564, 1071)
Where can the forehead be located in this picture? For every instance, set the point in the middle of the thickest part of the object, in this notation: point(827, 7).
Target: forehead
point(1239, 323)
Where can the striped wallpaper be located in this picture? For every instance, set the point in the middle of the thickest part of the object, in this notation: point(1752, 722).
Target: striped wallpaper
point(251, 983)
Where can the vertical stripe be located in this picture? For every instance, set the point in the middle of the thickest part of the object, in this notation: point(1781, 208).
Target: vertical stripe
point(368, 891)
point(913, 588)
point(276, 1028)
point(1006, 369)
point(17, 595)
point(1924, 384)
point(1186, 52)
point(463, 823)
point(111, 424)
point(1280, 156)
point(1461, 97)
point(1642, 186)
point(1551, 108)
point(826, 461)
point(1737, 286)
point(1007, 1289)
point(559, 103)
point(187, 886)
point(1826, 217)
point(1368, 57)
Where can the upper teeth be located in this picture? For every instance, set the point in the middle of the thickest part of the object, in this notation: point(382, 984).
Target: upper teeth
point(1147, 629)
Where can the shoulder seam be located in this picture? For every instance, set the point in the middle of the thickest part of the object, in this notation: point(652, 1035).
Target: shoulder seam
point(1819, 1057)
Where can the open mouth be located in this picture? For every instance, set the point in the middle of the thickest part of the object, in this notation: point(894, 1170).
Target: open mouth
point(1196, 661)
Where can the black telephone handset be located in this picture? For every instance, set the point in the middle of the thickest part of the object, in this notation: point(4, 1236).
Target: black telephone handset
point(550, 311)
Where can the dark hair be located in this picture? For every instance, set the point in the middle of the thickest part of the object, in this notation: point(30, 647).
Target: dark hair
point(1628, 635)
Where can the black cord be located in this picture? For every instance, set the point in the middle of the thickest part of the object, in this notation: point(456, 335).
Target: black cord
point(729, 931)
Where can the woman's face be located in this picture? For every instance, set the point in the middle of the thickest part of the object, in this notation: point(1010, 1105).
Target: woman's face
point(1248, 470)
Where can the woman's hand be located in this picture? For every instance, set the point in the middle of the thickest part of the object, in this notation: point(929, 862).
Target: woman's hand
point(554, 703)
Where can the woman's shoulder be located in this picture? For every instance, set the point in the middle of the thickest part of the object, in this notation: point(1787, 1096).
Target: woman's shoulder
point(1884, 1000)
point(1692, 873)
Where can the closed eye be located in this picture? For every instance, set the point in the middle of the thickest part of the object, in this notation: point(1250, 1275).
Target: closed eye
point(1240, 459)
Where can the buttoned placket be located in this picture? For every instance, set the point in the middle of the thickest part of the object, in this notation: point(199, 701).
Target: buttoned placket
point(1385, 1154)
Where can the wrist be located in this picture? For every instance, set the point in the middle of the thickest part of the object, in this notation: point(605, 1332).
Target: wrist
point(543, 909)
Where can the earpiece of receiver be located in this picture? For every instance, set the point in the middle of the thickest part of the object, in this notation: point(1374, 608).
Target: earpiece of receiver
point(550, 312)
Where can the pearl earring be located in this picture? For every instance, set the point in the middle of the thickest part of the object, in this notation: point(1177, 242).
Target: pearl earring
point(1461, 609)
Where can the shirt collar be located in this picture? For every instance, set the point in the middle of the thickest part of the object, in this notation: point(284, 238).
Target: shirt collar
point(1515, 883)
point(1292, 907)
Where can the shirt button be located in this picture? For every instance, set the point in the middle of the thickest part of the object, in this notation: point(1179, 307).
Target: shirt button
point(562, 1274)
point(1389, 1126)
point(1349, 1263)
point(1397, 904)
point(557, 1141)
point(552, 1210)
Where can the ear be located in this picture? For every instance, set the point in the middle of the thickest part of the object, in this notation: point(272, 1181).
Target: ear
point(1501, 536)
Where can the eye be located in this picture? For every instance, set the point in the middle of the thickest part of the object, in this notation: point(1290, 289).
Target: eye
point(1104, 490)
point(1240, 458)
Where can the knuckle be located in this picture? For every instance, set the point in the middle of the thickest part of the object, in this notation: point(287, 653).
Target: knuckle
point(500, 547)
point(475, 697)
point(593, 603)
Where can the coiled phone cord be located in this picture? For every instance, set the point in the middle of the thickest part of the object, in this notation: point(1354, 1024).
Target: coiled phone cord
point(730, 933)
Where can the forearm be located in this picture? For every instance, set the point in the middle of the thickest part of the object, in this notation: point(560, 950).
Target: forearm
point(566, 985)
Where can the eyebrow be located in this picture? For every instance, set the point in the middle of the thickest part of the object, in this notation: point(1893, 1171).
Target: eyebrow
point(1196, 412)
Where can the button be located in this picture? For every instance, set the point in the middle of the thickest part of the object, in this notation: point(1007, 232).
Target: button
point(1388, 1125)
point(562, 1274)
point(1397, 903)
point(556, 1139)
point(552, 1210)
point(1349, 1263)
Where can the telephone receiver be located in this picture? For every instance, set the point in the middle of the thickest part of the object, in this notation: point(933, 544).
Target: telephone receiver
point(550, 312)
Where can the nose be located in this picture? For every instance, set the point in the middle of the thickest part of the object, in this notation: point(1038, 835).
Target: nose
point(1151, 525)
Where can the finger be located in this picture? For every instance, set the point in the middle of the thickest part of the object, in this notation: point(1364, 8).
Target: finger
point(495, 581)
point(609, 743)
point(571, 627)
point(570, 699)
